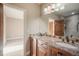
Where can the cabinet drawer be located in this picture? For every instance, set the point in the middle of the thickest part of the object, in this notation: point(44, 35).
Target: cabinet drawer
point(42, 44)
point(42, 48)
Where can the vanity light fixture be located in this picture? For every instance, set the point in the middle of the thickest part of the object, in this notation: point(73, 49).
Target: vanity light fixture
point(73, 13)
point(45, 9)
point(58, 4)
point(53, 7)
point(57, 9)
point(62, 8)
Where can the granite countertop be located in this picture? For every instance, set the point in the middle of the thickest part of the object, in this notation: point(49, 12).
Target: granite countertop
point(56, 42)
point(67, 47)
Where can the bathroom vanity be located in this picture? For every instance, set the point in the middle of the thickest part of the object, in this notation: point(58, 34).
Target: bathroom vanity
point(50, 46)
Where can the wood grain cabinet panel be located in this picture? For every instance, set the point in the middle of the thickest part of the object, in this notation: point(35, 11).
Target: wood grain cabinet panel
point(50, 28)
point(59, 52)
point(1, 29)
point(42, 52)
point(43, 48)
point(59, 27)
point(56, 28)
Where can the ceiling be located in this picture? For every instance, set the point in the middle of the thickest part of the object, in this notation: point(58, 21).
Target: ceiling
point(25, 4)
point(69, 8)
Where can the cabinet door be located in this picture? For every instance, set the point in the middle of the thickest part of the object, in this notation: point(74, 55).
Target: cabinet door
point(1, 29)
point(50, 28)
point(59, 52)
point(54, 51)
point(41, 52)
point(34, 47)
point(59, 27)
point(56, 27)
point(42, 48)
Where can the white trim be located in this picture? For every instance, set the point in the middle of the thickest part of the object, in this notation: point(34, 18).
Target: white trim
point(53, 27)
point(16, 37)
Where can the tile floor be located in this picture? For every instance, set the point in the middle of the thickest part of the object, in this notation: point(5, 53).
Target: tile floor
point(14, 48)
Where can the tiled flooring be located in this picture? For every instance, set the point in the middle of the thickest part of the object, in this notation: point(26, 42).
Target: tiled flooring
point(14, 48)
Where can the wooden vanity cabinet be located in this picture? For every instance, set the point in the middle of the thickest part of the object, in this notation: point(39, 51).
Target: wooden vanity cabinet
point(1, 29)
point(59, 27)
point(43, 48)
point(41, 52)
point(56, 27)
point(59, 52)
point(33, 46)
point(39, 48)
point(51, 27)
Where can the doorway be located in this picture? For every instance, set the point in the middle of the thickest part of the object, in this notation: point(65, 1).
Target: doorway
point(13, 31)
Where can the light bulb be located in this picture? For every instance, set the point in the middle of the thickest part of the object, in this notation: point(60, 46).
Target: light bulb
point(62, 8)
point(52, 11)
point(53, 6)
point(57, 9)
point(45, 9)
point(58, 4)
point(73, 13)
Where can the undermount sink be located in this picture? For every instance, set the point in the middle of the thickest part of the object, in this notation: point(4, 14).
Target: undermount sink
point(65, 45)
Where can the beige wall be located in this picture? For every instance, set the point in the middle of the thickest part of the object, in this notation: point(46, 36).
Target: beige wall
point(34, 21)
point(45, 19)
